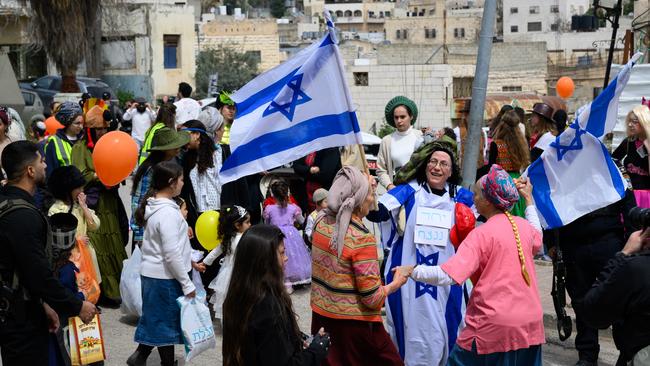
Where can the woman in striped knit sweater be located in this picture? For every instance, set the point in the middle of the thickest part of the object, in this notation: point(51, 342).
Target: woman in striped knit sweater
point(347, 293)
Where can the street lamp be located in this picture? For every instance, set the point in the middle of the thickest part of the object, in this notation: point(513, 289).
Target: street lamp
point(609, 10)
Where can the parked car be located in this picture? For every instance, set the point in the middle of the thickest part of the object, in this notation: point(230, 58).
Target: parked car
point(34, 109)
point(47, 86)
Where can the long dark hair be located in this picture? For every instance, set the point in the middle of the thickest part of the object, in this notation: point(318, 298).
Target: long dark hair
point(228, 218)
point(167, 115)
point(203, 156)
point(508, 131)
point(164, 174)
point(155, 157)
point(280, 191)
point(494, 123)
point(258, 275)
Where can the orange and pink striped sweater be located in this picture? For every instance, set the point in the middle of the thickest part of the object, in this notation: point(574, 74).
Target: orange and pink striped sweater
point(348, 287)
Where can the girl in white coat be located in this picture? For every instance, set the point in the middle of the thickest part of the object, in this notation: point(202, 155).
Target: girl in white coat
point(166, 262)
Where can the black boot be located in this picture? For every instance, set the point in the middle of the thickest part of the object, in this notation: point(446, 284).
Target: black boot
point(139, 357)
point(167, 356)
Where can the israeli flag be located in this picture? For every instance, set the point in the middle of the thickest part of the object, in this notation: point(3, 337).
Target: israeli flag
point(301, 106)
point(576, 174)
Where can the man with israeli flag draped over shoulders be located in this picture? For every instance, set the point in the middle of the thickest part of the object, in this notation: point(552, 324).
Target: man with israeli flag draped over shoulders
point(301, 106)
point(581, 194)
point(419, 222)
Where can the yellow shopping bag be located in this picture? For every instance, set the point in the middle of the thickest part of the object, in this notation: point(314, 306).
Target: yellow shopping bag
point(86, 341)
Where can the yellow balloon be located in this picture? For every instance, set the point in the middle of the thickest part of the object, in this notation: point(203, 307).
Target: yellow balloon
point(206, 229)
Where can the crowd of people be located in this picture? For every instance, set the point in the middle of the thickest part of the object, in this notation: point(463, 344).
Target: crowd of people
point(454, 269)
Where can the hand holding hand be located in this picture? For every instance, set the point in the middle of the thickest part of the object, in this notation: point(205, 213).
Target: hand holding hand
point(52, 318)
point(199, 266)
point(190, 233)
point(88, 312)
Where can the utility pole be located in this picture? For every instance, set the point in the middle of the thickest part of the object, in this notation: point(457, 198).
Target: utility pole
point(479, 89)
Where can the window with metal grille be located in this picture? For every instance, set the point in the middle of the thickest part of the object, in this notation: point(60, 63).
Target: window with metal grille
point(514, 29)
point(534, 9)
point(514, 10)
point(555, 9)
point(511, 88)
point(360, 78)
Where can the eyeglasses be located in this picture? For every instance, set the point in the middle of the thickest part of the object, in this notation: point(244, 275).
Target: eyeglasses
point(442, 164)
point(633, 121)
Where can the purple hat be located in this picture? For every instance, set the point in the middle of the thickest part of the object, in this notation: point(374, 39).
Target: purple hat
point(499, 188)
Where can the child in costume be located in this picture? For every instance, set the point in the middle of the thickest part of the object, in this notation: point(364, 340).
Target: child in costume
point(284, 215)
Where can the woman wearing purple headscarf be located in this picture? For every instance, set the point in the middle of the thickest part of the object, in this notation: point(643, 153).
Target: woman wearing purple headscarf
point(504, 315)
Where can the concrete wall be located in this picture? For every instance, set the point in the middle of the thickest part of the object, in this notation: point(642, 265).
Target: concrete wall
point(172, 21)
point(246, 35)
point(428, 85)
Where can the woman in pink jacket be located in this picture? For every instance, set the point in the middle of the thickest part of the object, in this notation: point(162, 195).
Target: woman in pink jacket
point(504, 315)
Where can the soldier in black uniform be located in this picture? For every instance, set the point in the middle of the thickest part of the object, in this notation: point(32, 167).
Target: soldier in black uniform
point(31, 295)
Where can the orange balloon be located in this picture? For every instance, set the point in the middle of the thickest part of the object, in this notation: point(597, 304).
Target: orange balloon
point(52, 125)
point(114, 156)
point(565, 87)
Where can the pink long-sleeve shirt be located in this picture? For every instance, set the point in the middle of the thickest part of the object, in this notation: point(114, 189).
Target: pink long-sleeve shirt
point(503, 314)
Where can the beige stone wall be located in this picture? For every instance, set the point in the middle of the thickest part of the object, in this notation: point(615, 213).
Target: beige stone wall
point(245, 35)
point(179, 22)
point(428, 85)
point(415, 30)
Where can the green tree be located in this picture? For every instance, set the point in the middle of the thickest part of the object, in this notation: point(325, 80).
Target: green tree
point(233, 67)
point(385, 130)
point(628, 7)
point(277, 8)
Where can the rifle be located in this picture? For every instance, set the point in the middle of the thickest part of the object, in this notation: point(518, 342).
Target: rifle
point(564, 324)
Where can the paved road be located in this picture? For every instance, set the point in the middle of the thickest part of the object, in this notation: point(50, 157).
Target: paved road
point(119, 329)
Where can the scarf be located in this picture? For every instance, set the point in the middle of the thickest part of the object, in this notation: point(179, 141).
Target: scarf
point(348, 191)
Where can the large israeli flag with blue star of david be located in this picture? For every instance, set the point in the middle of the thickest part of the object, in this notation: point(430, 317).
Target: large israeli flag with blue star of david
point(296, 108)
point(576, 174)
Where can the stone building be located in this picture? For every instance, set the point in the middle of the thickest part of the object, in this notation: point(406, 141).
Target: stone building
point(256, 36)
point(148, 47)
point(435, 22)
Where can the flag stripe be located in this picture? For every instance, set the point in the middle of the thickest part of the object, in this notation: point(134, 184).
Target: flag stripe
point(542, 194)
point(598, 114)
point(302, 133)
point(454, 313)
point(614, 173)
point(264, 96)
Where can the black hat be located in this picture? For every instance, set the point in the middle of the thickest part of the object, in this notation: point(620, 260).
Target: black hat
point(63, 230)
point(106, 95)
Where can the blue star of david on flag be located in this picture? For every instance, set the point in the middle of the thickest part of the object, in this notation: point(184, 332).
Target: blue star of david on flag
point(423, 288)
point(575, 144)
point(288, 109)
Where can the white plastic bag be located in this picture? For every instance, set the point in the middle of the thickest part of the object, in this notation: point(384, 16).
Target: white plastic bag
point(130, 285)
point(197, 256)
point(198, 333)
